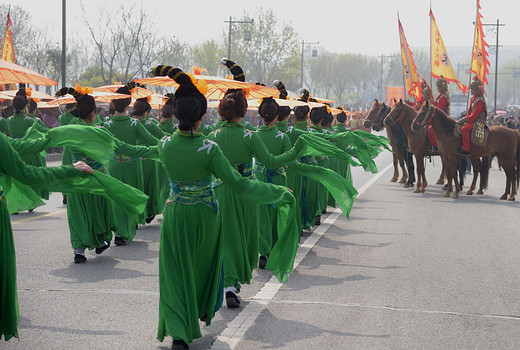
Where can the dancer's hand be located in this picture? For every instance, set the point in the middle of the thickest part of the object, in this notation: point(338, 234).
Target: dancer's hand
point(84, 167)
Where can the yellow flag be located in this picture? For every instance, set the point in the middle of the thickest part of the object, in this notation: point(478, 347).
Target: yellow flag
point(409, 69)
point(8, 53)
point(480, 57)
point(441, 64)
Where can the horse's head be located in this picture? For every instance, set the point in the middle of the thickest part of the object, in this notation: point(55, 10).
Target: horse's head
point(396, 113)
point(375, 116)
point(372, 114)
point(424, 116)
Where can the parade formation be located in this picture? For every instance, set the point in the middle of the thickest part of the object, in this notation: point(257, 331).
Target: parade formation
point(233, 197)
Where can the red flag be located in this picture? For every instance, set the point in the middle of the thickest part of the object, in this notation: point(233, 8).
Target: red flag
point(480, 57)
point(8, 52)
point(413, 85)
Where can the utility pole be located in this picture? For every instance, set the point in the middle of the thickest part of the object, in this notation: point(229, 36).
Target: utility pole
point(498, 25)
point(231, 22)
point(303, 49)
point(64, 43)
point(383, 57)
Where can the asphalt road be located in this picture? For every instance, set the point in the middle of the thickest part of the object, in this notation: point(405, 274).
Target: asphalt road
point(407, 271)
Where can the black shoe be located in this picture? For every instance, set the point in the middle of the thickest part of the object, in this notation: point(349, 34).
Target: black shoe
point(461, 153)
point(262, 261)
point(317, 220)
point(149, 218)
point(119, 241)
point(103, 247)
point(324, 211)
point(79, 258)
point(64, 199)
point(179, 345)
point(232, 301)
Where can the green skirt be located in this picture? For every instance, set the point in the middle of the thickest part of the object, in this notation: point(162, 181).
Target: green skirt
point(151, 186)
point(269, 217)
point(164, 186)
point(131, 173)
point(36, 160)
point(91, 220)
point(190, 268)
point(240, 228)
point(295, 183)
point(8, 291)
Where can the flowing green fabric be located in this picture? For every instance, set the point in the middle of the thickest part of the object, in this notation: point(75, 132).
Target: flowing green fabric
point(8, 291)
point(21, 197)
point(95, 142)
point(64, 178)
point(374, 140)
point(342, 190)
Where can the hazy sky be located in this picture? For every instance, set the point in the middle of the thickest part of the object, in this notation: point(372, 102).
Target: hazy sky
point(361, 26)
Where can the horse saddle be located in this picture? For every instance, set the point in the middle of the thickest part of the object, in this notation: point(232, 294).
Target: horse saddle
point(479, 134)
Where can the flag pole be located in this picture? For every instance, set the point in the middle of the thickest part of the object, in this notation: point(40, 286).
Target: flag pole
point(431, 62)
point(402, 62)
point(471, 60)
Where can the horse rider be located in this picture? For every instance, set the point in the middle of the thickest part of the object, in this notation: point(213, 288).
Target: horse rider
point(477, 110)
point(443, 103)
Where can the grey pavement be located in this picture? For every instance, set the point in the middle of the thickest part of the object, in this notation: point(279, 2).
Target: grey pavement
point(407, 271)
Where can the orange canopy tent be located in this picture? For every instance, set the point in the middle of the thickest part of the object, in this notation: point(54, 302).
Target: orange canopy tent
point(12, 73)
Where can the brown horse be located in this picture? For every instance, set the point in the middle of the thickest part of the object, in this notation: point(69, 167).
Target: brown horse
point(374, 120)
point(403, 113)
point(502, 141)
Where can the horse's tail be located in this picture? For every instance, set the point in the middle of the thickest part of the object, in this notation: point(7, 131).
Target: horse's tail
point(484, 171)
point(463, 164)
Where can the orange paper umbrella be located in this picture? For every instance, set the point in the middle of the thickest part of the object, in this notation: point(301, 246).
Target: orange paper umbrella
point(217, 87)
point(10, 94)
point(156, 101)
point(12, 73)
point(281, 102)
point(137, 92)
point(99, 96)
point(324, 100)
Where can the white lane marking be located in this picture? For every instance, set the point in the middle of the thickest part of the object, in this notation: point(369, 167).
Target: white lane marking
point(391, 308)
point(236, 329)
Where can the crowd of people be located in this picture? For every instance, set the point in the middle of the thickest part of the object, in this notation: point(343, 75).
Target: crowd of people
point(234, 197)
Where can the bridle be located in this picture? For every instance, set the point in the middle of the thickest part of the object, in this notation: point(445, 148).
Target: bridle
point(394, 121)
point(427, 119)
point(370, 121)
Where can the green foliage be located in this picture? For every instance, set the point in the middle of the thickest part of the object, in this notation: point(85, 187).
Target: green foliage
point(272, 53)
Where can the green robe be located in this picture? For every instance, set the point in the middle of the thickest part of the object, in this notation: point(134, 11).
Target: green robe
point(277, 143)
point(322, 194)
point(14, 174)
point(282, 126)
point(168, 127)
point(17, 125)
point(65, 119)
point(192, 235)
point(240, 217)
point(3, 125)
point(305, 189)
point(127, 169)
point(152, 186)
